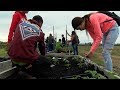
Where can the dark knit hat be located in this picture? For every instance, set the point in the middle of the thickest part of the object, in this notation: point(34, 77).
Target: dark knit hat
point(76, 22)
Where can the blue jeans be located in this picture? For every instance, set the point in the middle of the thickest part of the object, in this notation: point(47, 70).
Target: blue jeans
point(75, 49)
point(50, 47)
point(108, 42)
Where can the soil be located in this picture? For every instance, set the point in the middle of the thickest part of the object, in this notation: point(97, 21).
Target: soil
point(69, 68)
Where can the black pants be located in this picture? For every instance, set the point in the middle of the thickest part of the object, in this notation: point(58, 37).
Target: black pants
point(40, 68)
point(50, 47)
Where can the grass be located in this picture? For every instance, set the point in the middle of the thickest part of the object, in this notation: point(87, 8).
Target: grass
point(97, 56)
point(3, 52)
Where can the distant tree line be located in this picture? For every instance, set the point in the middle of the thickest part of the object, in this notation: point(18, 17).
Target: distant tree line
point(90, 44)
point(117, 44)
point(3, 45)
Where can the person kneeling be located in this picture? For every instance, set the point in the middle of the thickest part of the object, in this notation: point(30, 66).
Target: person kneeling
point(23, 48)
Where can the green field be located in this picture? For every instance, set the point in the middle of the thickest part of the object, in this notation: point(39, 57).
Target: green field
point(97, 58)
point(3, 52)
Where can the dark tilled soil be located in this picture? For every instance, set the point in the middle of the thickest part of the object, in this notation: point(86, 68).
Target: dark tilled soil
point(61, 71)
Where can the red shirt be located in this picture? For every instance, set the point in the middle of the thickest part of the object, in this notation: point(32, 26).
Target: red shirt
point(15, 20)
point(23, 46)
point(97, 28)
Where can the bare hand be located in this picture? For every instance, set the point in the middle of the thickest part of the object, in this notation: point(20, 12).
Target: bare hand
point(89, 55)
point(29, 66)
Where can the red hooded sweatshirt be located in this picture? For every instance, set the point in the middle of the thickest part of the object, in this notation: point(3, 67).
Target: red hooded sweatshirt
point(23, 46)
point(15, 20)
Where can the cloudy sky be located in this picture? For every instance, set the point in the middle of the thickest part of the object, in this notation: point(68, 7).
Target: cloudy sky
point(58, 19)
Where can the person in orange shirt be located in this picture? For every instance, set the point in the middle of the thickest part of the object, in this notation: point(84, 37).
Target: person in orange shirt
point(17, 16)
point(101, 28)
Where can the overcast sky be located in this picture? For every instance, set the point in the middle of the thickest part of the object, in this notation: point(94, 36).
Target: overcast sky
point(58, 19)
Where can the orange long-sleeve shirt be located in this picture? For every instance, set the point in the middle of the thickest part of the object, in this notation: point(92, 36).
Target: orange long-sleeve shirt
point(97, 27)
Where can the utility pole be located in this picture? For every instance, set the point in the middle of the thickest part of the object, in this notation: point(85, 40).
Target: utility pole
point(66, 42)
point(66, 34)
point(54, 39)
point(53, 31)
point(56, 36)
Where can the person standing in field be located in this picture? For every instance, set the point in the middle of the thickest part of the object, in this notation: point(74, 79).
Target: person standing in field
point(101, 28)
point(74, 40)
point(47, 45)
point(51, 42)
point(17, 16)
point(63, 40)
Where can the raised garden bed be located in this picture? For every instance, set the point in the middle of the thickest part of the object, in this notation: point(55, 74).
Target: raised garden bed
point(75, 67)
point(3, 59)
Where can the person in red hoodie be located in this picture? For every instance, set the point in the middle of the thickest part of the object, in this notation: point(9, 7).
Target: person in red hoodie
point(23, 51)
point(101, 28)
point(17, 16)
